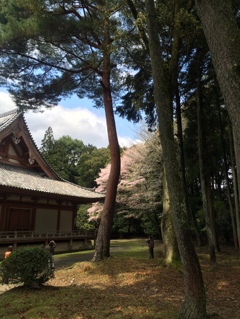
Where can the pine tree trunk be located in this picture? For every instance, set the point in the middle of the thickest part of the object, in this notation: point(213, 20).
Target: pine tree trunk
point(223, 37)
point(204, 176)
point(192, 220)
point(194, 306)
point(237, 183)
point(171, 252)
point(102, 245)
point(226, 168)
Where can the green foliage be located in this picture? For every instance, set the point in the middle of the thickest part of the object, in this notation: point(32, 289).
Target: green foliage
point(64, 157)
point(26, 265)
point(56, 49)
point(63, 154)
point(47, 143)
point(90, 163)
point(223, 221)
point(82, 222)
point(72, 160)
point(126, 224)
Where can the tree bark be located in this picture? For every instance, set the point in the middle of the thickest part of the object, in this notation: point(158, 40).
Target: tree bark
point(226, 168)
point(204, 176)
point(223, 37)
point(171, 252)
point(102, 245)
point(191, 217)
point(237, 183)
point(194, 306)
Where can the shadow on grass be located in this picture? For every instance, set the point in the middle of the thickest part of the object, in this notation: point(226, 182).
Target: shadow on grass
point(133, 300)
point(68, 260)
point(126, 286)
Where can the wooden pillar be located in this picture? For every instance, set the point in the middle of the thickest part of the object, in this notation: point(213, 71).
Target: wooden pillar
point(58, 215)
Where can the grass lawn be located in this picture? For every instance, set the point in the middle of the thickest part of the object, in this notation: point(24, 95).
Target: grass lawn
point(126, 286)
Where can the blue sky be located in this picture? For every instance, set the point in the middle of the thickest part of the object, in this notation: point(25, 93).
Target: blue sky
point(76, 118)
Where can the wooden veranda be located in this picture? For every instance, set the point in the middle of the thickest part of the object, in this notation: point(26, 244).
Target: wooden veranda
point(17, 238)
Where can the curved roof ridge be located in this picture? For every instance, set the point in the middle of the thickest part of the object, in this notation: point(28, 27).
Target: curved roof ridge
point(22, 178)
point(83, 187)
point(37, 149)
point(42, 157)
point(10, 112)
point(8, 117)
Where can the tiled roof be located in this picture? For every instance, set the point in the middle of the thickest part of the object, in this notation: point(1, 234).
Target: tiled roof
point(25, 179)
point(7, 118)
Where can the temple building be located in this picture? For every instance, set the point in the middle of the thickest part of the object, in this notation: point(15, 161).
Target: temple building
point(36, 204)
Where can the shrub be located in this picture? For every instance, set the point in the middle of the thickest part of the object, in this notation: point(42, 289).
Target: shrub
point(29, 266)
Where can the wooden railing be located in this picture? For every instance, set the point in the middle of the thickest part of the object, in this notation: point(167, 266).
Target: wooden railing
point(38, 236)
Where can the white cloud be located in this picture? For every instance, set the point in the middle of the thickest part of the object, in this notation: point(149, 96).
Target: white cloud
point(127, 141)
point(6, 103)
point(79, 123)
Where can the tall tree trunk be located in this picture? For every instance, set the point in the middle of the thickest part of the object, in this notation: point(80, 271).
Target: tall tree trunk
point(235, 184)
point(204, 176)
point(102, 245)
point(226, 168)
point(237, 171)
point(194, 306)
point(223, 37)
point(182, 161)
point(171, 252)
point(174, 62)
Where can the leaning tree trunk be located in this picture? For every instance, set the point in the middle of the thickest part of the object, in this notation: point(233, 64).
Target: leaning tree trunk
point(194, 306)
point(102, 245)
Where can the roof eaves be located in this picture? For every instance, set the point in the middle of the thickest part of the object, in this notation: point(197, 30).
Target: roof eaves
point(43, 159)
point(9, 119)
